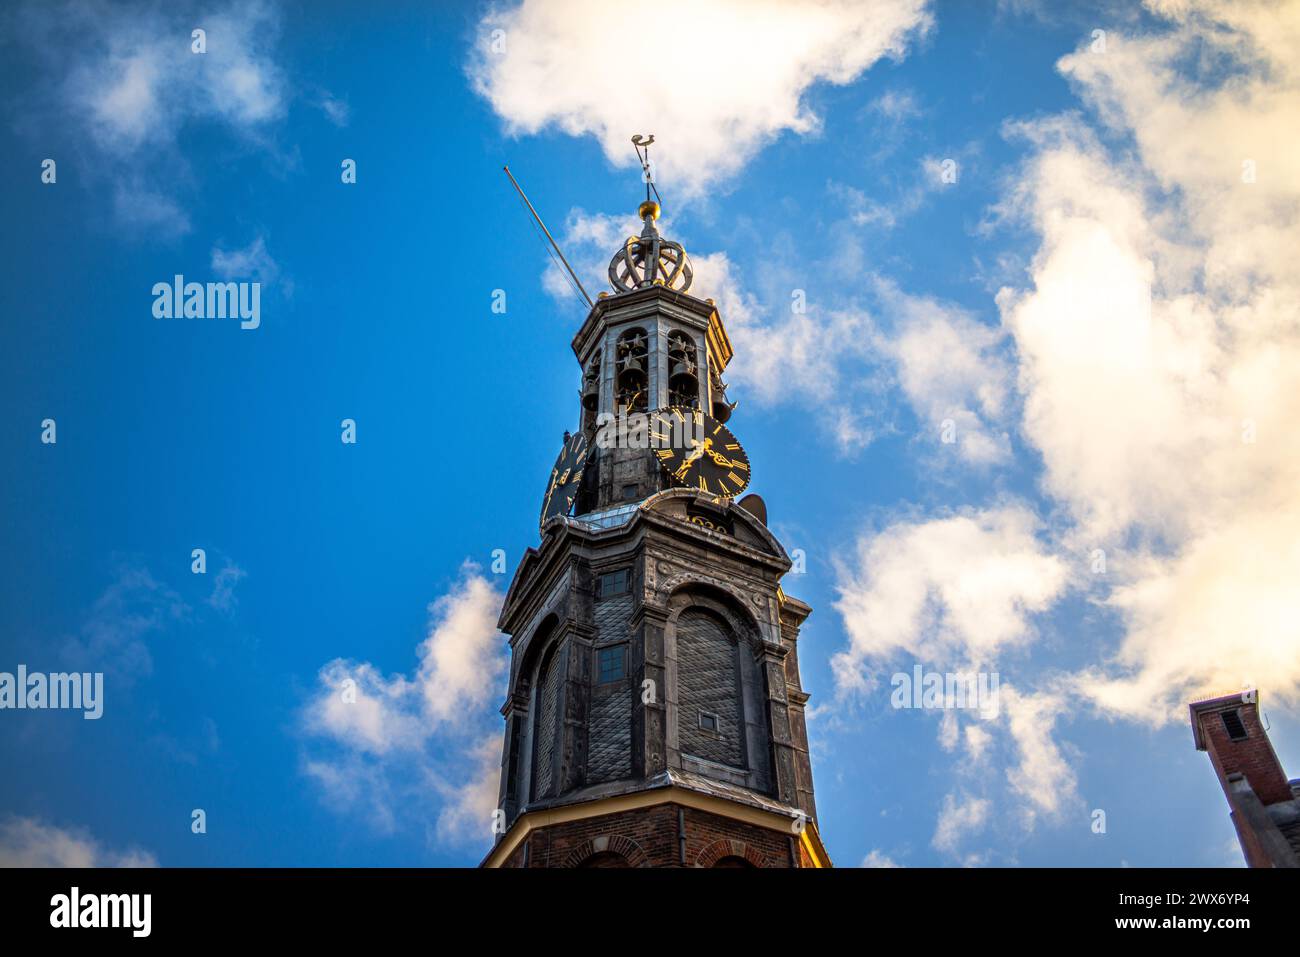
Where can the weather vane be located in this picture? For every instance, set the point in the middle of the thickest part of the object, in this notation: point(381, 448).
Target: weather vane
point(649, 259)
point(642, 146)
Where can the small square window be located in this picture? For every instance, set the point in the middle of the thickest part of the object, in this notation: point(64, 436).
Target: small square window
point(1233, 725)
point(708, 722)
point(610, 664)
point(613, 583)
point(629, 492)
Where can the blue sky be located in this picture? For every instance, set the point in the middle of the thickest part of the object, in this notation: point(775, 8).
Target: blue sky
point(1096, 307)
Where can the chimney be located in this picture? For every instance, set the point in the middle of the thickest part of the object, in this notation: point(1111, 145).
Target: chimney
point(1228, 728)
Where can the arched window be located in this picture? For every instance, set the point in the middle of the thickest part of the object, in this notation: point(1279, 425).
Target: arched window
point(590, 393)
point(546, 701)
point(721, 727)
point(683, 371)
point(731, 860)
point(632, 363)
point(711, 719)
point(605, 859)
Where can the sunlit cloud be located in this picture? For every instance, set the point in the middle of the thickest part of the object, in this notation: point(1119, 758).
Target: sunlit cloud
point(30, 842)
point(731, 80)
point(383, 747)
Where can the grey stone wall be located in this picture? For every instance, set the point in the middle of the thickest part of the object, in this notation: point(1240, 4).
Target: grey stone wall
point(609, 751)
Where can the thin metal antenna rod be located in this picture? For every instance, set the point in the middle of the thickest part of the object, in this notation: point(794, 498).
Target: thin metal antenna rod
point(547, 232)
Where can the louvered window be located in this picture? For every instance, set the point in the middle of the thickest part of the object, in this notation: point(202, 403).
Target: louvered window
point(1232, 724)
point(708, 684)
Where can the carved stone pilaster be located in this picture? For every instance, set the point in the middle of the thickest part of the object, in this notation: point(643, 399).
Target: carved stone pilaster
point(649, 704)
point(576, 703)
point(771, 658)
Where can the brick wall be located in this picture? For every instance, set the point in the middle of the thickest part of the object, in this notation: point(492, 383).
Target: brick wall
point(1252, 756)
point(648, 837)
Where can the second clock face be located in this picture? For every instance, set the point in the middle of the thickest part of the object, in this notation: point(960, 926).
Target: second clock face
point(697, 451)
point(565, 478)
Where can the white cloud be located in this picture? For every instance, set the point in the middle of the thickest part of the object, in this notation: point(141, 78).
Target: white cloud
point(950, 592)
point(866, 211)
point(28, 842)
point(122, 81)
point(836, 360)
point(958, 819)
point(138, 83)
point(460, 662)
point(335, 110)
point(1042, 778)
point(977, 739)
point(802, 356)
point(844, 363)
point(364, 711)
point(818, 357)
point(113, 636)
point(350, 784)
point(1156, 330)
point(1219, 615)
point(223, 586)
point(250, 263)
point(1159, 337)
point(589, 243)
point(127, 108)
point(896, 105)
point(732, 78)
point(470, 800)
point(1156, 340)
point(957, 595)
point(145, 210)
point(951, 371)
point(877, 858)
point(392, 742)
point(460, 667)
point(799, 358)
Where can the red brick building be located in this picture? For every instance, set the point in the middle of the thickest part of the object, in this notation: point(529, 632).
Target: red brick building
point(1264, 805)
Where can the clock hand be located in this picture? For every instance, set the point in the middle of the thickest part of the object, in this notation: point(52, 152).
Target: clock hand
point(700, 449)
point(696, 453)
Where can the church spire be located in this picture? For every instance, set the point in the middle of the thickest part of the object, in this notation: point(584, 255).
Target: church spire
point(654, 715)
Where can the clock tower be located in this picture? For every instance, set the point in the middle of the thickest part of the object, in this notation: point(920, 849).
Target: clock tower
point(654, 716)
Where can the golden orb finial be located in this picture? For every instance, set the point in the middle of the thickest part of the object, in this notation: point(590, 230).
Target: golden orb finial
point(648, 208)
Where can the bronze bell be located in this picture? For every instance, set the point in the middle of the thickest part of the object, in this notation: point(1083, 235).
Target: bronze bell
point(630, 383)
point(591, 393)
point(721, 407)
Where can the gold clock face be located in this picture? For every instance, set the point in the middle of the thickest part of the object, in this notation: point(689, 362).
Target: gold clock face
point(697, 451)
point(565, 478)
